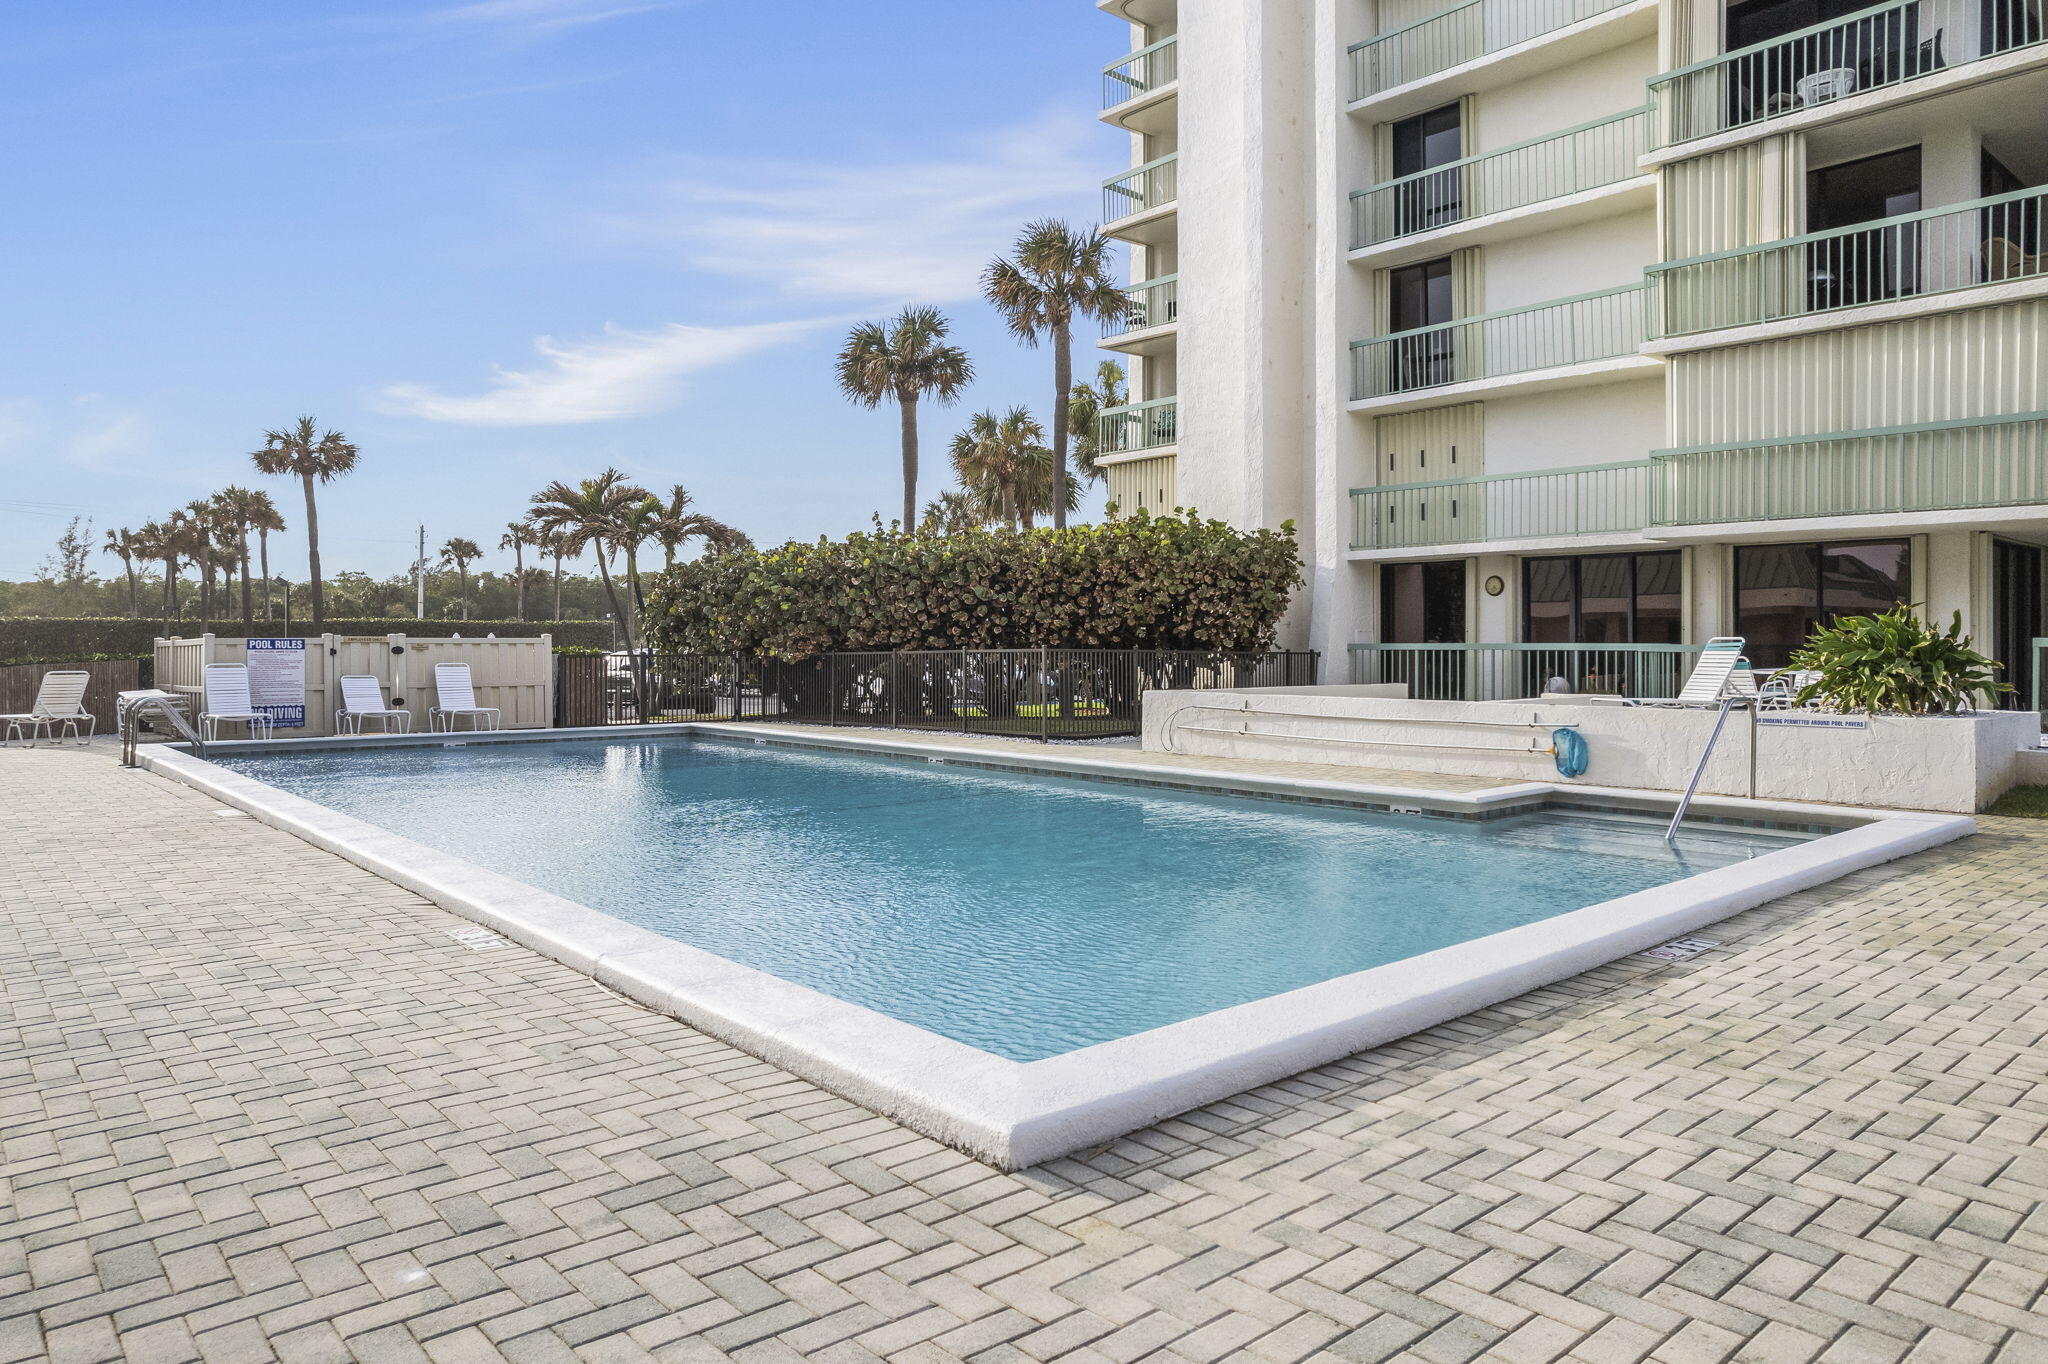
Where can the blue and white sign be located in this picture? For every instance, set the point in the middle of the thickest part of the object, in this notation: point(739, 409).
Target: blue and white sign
point(277, 680)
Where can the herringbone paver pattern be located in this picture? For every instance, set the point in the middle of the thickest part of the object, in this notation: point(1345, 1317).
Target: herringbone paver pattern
point(256, 1104)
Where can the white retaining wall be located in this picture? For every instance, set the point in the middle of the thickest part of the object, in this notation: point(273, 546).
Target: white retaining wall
point(1953, 763)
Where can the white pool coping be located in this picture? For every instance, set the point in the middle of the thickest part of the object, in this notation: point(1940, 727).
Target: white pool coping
point(1014, 1114)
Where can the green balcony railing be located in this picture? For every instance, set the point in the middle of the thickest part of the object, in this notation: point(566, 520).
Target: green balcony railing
point(1589, 500)
point(1586, 157)
point(1568, 331)
point(1141, 188)
point(1934, 251)
point(1154, 303)
point(1514, 672)
point(1871, 49)
point(1137, 426)
point(1458, 35)
point(1147, 69)
point(1937, 466)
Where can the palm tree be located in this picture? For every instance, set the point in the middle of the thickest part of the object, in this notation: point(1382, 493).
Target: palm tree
point(458, 554)
point(593, 514)
point(518, 535)
point(123, 545)
point(313, 455)
point(1004, 466)
point(1058, 274)
point(264, 518)
point(156, 543)
point(202, 535)
point(1086, 407)
point(952, 513)
point(904, 360)
point(550, 543)
point(237, 509)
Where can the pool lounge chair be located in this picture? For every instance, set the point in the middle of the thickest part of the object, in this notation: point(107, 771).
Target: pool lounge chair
point(227, 701)
point(1712, 677)
point(362, 698)
point(59, 705)
point(455, 690)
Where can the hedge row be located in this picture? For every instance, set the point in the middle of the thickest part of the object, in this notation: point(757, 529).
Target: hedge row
point(40, 639)
point(1169, 582)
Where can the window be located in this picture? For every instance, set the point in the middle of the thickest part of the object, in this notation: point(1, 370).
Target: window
point(1419, 296)
point(1423, 603)
point(1784, 592)
point(1422, 143)
point(1862, 267)
point(1603, 599)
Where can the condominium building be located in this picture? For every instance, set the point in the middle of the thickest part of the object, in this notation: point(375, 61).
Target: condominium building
point(1571, 331)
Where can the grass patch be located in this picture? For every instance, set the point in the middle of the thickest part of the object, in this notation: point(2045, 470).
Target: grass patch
point(2027, 802)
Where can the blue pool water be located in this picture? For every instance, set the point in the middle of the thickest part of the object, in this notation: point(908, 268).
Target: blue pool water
point(1024, 915)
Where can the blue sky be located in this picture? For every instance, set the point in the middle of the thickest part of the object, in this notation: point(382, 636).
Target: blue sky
point(499, 242)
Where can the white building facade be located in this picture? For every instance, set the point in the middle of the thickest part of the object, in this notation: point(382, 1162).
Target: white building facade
point(1570, 332)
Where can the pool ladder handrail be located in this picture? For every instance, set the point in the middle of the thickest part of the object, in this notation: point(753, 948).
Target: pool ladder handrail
point(1729, 702)
point(130, 709)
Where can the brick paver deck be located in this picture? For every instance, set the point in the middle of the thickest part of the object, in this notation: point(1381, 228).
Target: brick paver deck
point(257, 1104)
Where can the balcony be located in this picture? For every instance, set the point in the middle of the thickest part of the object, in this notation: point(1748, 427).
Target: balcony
point(1593, 499)
point(1587, 157)
point(1512, 672)
point(1606, 325)
point(1458, 35)
point(1135, 427)
point(1934, 251)
point(1154, 303)
point(1149, 69)
point(1883, 46)
point(1141, 189)
point(1941, 466)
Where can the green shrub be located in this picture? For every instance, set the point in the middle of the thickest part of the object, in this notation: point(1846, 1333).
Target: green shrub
point(1168, 582)
point(49, 639)
point(1896, 664)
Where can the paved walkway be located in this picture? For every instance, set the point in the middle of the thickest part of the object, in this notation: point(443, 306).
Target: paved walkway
point(256, 1104)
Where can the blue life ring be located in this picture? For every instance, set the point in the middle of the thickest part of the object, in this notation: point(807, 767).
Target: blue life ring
point(1568, 746)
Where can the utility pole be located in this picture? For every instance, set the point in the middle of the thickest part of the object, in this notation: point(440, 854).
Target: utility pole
point(419, 575)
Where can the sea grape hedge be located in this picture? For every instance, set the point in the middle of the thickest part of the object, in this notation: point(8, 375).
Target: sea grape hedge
point(1167, 582)
point(47, 639)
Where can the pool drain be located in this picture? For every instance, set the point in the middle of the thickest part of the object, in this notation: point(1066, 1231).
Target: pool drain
point(477, 939)
point(1679, 950)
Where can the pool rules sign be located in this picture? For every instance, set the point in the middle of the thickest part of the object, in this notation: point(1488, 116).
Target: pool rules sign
point(277, 680)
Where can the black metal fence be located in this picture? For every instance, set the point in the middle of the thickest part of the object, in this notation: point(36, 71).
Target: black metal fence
point(1026, 693)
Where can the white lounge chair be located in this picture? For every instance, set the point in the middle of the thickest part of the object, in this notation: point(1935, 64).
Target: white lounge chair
point(227, 701)
point(456, 692)
point(362, 698)
point(1711, 679)
point(59, 705)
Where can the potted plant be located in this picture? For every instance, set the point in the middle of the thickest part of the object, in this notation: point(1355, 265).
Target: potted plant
point(1895, 663)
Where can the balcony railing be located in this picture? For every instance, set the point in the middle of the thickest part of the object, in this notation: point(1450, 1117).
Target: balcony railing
point(1138, 426)
point(1937, 250)
point(1144, 71)
point(1940, 466)
point(1569, 331)
point(1586, 157)
point(1458, 35)
point(1514, 672)
point(1881, 46)
point(1154, 303)
point(1589, 500)
point(1141, 188)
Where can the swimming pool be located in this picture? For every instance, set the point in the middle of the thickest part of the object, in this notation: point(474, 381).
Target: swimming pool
point(1025, 952)
point(1023, 915)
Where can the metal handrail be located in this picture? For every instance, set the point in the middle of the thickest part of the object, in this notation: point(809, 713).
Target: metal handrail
point(1147, 297)
point(128, 719)
point(1137, 201)
point(1119, 89)
point(1481, 347)
point(1379, 63)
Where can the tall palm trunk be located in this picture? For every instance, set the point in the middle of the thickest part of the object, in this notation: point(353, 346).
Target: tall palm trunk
point(558, 586)
point(170, 591)
point(1063, 388)
point(263, 550)
point(248, 602)
point(619, 612)
point(134, 602)
point(519, 577)
point(906, 407)
point(313, 554)
point(462, 573)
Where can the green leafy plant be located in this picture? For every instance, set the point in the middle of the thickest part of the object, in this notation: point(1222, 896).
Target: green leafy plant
point(1895, 663)
point(1155, 582)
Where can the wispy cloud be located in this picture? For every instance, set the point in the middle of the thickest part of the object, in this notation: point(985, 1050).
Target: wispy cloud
point(544, 16)
point(904, 229)
point(620, 373)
